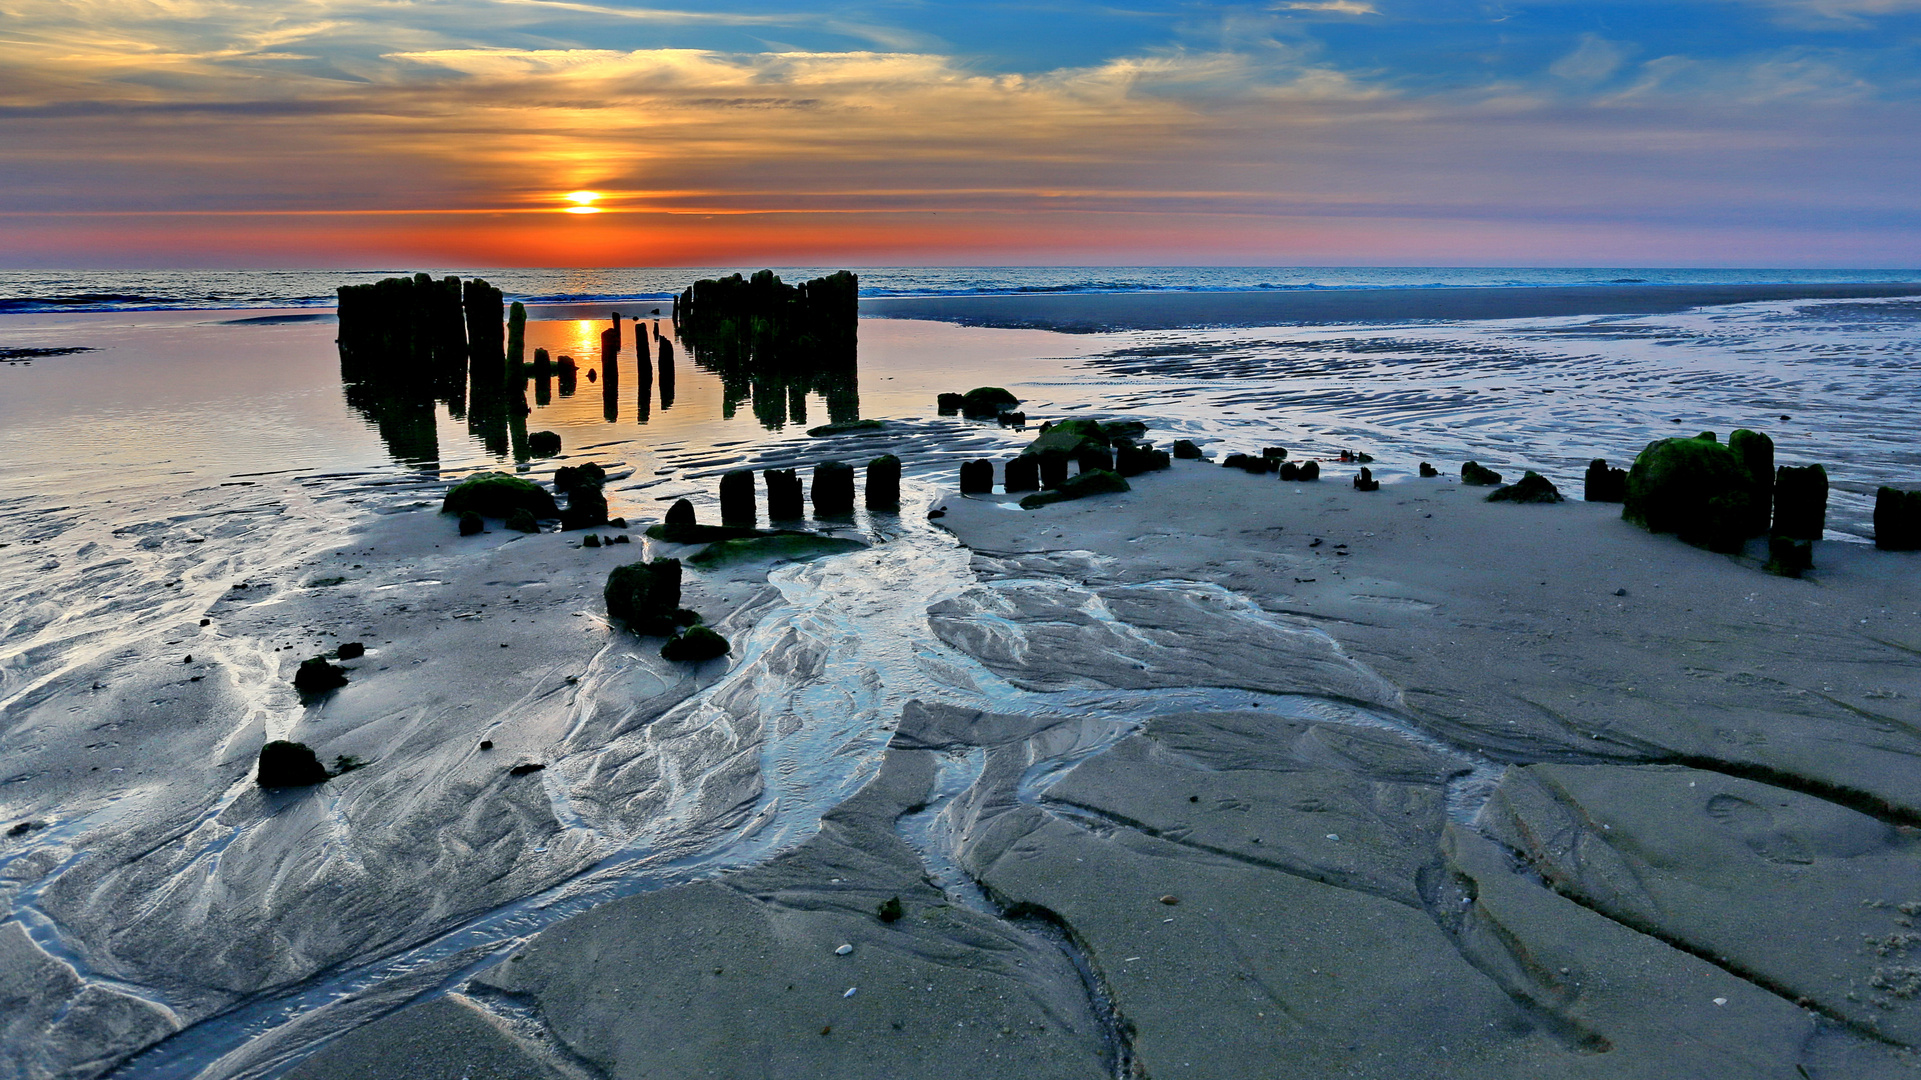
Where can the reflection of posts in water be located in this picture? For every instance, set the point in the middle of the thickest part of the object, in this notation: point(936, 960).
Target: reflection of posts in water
point(543, 377)
point(774, 343)
point(610, 374)
point(487, 421)
point(486, 337)
point(567, 373)
point(404, 419)
point(644, 368)
point(666, 374)
point(517, 427)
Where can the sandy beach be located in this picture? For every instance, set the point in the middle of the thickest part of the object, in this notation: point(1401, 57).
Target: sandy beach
point(1205, 779)
point(1560, 797)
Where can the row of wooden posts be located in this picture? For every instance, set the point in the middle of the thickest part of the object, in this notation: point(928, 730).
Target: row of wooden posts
point(832, 494)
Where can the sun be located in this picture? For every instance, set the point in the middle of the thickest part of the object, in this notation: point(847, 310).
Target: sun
point(583, 202)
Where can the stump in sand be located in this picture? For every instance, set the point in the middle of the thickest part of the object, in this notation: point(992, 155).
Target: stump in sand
point(681, 513)
point(1897, 519)
point(645, 595)
point(1604, 484)
point(317, 676)
point(949, 404)
point(586, 509)
point(1756, 454)
point(833, 492)
point(1053, 465)
point(786, 500)
point(977, 477)
point(737, 498)
point(1023, 474)
point(1185, 450)
point(543, 443)
point(883, 483)
point(1364, 481)
point(1800, 501)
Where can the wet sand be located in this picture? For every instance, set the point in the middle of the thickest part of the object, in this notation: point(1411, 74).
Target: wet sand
point(1506, 791)
point(1095, 312)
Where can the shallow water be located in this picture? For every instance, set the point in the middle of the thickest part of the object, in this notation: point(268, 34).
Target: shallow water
point(142, 480)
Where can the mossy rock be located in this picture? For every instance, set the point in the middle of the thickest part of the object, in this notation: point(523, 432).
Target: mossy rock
point(847, 427)
point(1697, 489)
point(693, 645)
point(317, 676)
point(289, 764)
point(1532, 487)
point(1186, 450)
point(987, 402)
point(493, 494)
point(778, 547)
point(1071, 436)
point(586, 509)
point(1897, 519)
point(471, 524)
point(522, 521)
point(1788, 557)
point(1079, 487)
point(645, 595)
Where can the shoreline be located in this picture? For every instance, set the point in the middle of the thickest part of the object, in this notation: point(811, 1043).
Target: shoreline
point(1534, 780)
point(1102, 312)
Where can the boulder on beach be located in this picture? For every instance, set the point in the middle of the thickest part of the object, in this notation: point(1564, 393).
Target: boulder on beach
point(542, 443)
point(1604, 484)
point(987, 402)
point(1694, 488)
point(1475, 474)
point(493, 494)
point(1897, 519)
point(472, 524)
point(949, 404)
point(317, 676)
point(351, 650)
point(1079, 487)
point(693, 645)
point(1185, 450)
point(1015, 419)
point(645, 595)
point(1532, 487)
point(681, 513)
point(1428, 471)
point(286, 764)
point(1310, 471)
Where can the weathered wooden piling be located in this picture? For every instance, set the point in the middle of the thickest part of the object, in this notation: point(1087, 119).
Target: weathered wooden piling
point(737, 498)
point(883, 483)
point(1053, 465)
point(1756, 454)
point(977, 477)
point(1603, 484)
point(1023, 474)
point(786, 500)
point(1800, 502)
point(833, 489)
point(1897, 519)
point(1095, 459)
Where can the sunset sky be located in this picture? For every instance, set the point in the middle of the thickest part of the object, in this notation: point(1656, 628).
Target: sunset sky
point(361, 132)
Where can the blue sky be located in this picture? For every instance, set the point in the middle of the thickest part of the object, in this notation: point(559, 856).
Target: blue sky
point(1716, 132)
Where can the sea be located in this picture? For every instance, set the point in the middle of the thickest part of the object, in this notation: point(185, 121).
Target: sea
point(24, 291)
point(165, 434)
